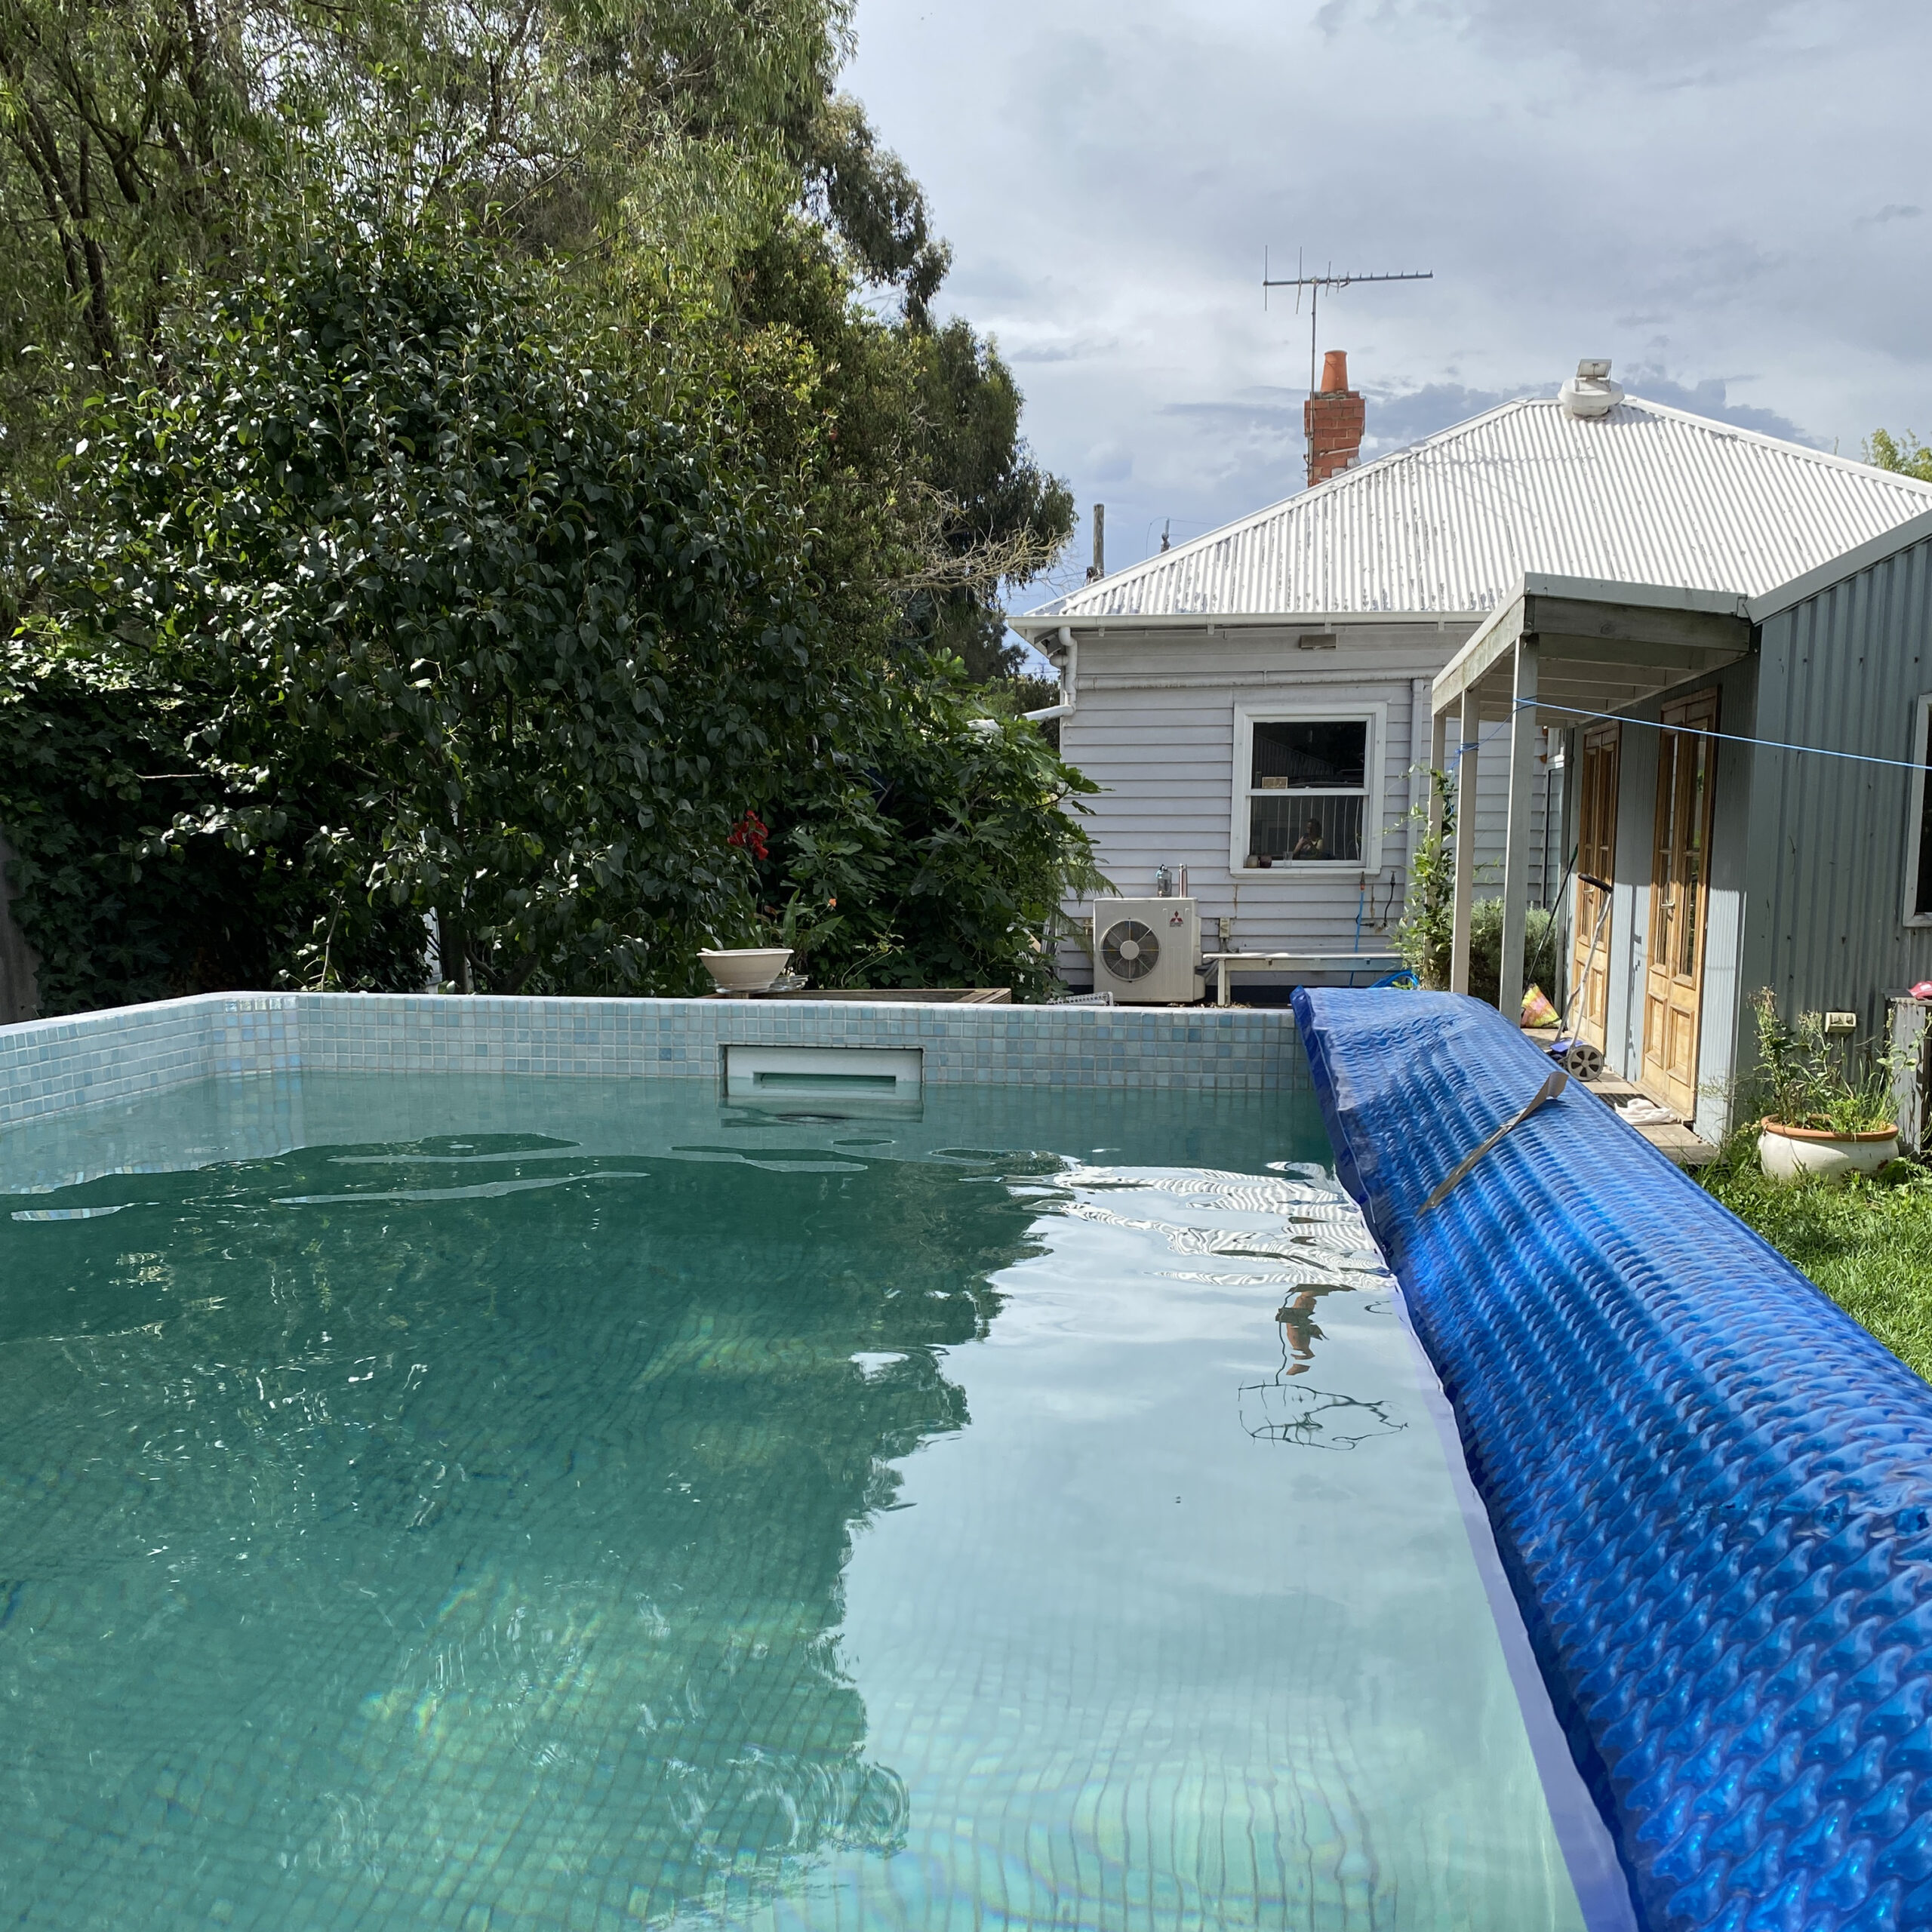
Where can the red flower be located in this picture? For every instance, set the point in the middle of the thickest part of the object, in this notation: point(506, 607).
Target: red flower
point(748, 834)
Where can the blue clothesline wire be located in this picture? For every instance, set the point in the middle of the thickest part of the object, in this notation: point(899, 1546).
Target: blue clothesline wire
point(1656, 724)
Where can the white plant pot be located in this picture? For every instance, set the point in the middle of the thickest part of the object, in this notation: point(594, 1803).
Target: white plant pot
point(746, 969)
point(1795, 1153)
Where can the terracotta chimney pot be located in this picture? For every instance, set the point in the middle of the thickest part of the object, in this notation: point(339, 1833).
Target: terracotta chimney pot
point(1335, 372)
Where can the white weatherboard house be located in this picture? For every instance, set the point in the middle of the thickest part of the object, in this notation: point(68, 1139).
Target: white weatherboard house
point(1280, 688)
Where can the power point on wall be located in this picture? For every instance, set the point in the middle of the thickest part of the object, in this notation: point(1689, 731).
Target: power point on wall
point(1841, 1023)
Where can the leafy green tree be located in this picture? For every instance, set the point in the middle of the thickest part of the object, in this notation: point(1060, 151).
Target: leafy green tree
point(997, 517)
point(471, 634)
point(908, 451)
point(144, 143)
point(305, 587)
point(1906, 455)
point(686, 164)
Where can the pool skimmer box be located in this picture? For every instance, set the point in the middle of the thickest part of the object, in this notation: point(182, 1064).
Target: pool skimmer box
point(872, 1079)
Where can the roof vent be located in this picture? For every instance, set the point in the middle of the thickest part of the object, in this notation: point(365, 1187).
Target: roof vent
point(1590, 391)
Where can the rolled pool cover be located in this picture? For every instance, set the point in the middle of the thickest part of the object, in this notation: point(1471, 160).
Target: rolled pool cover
point(1712, 1489)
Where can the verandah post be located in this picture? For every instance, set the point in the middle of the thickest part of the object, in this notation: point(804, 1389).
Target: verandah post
point(1469, 722)
point(1516, 846)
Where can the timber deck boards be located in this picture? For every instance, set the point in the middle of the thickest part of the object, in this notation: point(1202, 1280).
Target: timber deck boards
point(1673, 1138)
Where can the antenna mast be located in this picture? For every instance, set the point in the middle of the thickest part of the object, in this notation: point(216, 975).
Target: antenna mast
point(1314, 284)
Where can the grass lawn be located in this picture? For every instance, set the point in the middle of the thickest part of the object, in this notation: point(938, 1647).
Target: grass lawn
point(1868, 1244)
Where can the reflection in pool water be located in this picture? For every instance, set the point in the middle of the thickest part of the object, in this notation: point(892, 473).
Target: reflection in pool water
point(578, 1508)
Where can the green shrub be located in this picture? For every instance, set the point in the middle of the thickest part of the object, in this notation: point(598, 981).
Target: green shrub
point(925, 849)
point(1423, 936)
point(1803, 1080)
point(408, 599)
point(400, 601)
point(1486, 948)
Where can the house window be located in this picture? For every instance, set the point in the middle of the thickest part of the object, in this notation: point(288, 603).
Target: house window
point(1919, 827)
point(1301, 795)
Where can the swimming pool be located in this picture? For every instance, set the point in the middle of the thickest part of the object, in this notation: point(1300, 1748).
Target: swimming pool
point(502, 1501)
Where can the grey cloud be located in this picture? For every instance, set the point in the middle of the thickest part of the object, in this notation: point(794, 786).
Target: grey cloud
point(1707, 398)
point(1259, 415)
point(1712, 269)
point(991, 281)
point(1109, 463)
point(1254, 427)
point(1060, 351)
point(1399, 418)
point(1108, 172)
point(1666, 41)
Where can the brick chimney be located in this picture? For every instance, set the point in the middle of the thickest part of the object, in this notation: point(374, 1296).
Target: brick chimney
point(1333, 418)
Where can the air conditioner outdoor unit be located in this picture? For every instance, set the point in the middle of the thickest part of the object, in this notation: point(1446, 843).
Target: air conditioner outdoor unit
point(1147, 951)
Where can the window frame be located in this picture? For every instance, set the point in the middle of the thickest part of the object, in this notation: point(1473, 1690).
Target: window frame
point(1914, 820)
point(1247, 714)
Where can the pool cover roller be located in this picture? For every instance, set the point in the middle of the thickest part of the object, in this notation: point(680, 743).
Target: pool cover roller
point(1712, 1489)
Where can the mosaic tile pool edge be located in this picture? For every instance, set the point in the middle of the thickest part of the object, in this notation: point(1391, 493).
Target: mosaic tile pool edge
point(53, 1066)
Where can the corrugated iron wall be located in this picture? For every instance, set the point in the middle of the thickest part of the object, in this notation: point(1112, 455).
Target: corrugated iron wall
point(1808, 854)
point(1827, 837)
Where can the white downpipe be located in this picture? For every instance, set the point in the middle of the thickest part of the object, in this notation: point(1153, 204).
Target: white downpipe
point(1066, 683)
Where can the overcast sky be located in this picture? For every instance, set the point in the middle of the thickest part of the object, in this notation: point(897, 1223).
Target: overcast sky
point(1730, 198)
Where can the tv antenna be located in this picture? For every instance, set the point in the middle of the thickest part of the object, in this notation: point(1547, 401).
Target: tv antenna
point(1314, 284)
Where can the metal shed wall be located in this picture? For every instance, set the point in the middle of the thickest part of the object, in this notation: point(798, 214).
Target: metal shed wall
point(1827, 837)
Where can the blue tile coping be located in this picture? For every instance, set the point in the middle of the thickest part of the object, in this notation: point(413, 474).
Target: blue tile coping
point(49, 1067)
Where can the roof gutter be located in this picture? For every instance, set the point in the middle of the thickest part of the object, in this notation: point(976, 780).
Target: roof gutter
point(1066, 681)
point(1035, 629)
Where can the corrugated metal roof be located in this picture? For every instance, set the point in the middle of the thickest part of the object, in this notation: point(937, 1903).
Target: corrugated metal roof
point(1643, 495)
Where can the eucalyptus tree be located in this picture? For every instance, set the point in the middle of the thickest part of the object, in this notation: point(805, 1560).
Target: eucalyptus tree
point(687, 163)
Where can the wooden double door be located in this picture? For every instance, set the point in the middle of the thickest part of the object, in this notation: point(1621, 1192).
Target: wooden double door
point(1680, 900)
point(1680, 896)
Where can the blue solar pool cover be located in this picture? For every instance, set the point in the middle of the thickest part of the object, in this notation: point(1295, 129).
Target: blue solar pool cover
point(1712, 1489)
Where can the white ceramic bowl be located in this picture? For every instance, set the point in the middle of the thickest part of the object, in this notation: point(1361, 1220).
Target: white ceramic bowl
point(746, 969)
point(1791, 1153)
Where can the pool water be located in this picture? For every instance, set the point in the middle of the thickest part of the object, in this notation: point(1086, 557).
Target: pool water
point(570, 1503)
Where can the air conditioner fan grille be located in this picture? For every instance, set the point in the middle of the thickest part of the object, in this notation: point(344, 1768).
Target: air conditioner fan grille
point(1130, 949)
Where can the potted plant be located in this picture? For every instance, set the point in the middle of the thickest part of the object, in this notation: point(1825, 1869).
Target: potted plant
point(757, 967)
point(1828, 1114)
point(777, 938)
